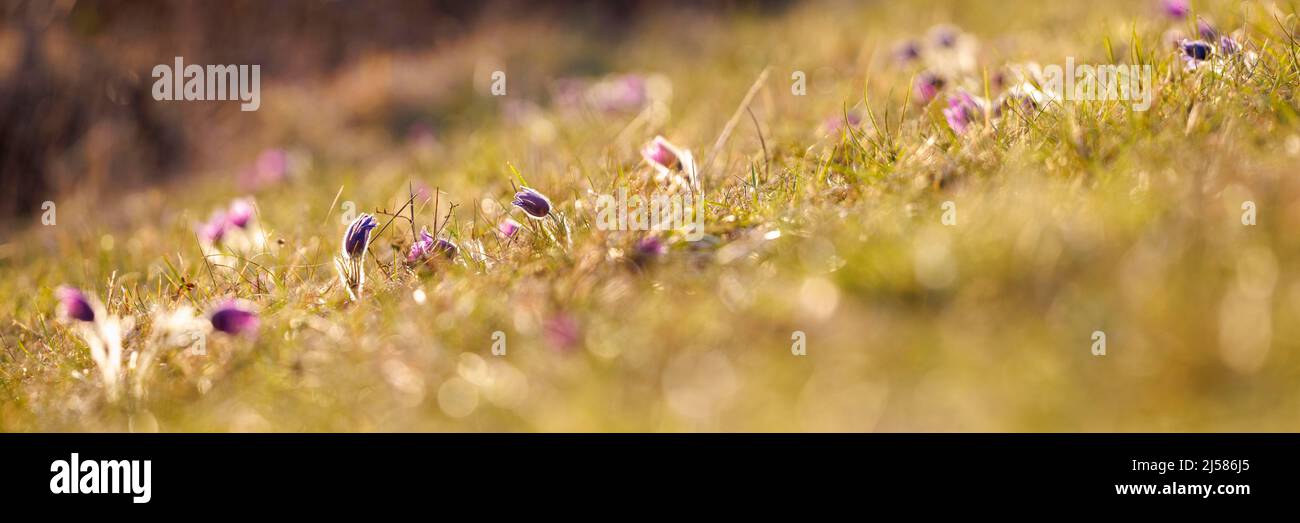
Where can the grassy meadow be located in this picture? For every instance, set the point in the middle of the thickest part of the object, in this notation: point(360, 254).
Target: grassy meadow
point(938, 280)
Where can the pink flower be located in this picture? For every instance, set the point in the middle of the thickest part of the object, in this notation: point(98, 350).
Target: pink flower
point(508, 227)
point(74, 303)
point(963, 109)
point(215, 228)
point(1175, 8)
point(271, 166)
point(240, 212)
point(927, 87)
point(660, 153)
point(427, 244)
point(421, 247)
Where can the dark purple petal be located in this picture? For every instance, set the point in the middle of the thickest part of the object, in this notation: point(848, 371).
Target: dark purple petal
point(231, 318)
point(74, 303)
point(445, 247)
point(648, 249)
point(1197, 50)
point(533, 203)
point(357, 237)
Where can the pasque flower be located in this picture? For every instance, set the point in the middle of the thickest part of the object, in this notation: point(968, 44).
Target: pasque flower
point(420, 248)
point(927, 87)
point(74, 303)
point(508, 227)
point(240, 212)
point(963, 109)
point(1175, 8)
point(648, 249)
point(945, 36)
point(351, 261)
point(659, 153)
point(221, 222)
point(534, 204)
point(1194, 52)
point(357, 237)
point(1229, 46)
point(671, 163)
point(907, 51)
point(101, 332)
point(232, 317)
point(215, 228)
point(427, 244)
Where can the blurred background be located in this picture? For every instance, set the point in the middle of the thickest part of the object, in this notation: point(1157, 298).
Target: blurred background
point(75, 105)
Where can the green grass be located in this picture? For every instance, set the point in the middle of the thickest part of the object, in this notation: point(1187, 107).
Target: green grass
point(1087, 217)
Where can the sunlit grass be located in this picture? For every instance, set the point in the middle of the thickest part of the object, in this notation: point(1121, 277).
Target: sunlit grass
point(1084, 217)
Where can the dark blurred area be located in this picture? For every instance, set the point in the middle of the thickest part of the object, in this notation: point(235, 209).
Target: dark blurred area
point(75, 101)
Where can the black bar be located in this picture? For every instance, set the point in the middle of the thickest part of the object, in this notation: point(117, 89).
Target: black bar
point(321, 472)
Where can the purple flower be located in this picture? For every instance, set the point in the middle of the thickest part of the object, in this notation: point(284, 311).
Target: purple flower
point(446, 248)
point(357, 237)
point(1175, 8)
point(907, 52)
point(215, 228)
point(963, 109)
point(508, 227)
point(233, 318)
point(660, 153)
point(1196, 51)
point(421, 247)
point(672, 163)
point(927, 87)
point(240, 212)
point(1229, 46)
point(534, 204)
point(427, 244)
point(74, 303)
point(648, 249)
point(945, 36)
